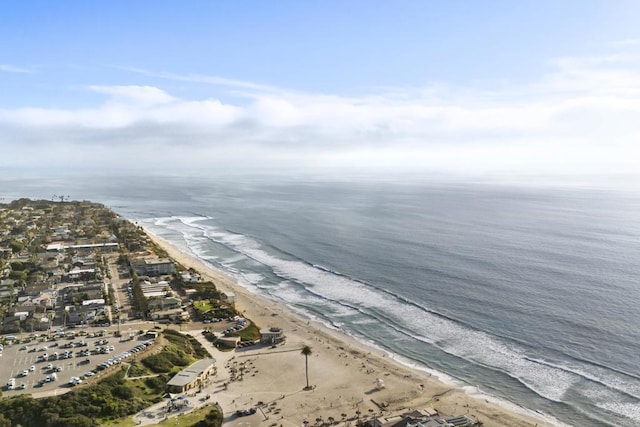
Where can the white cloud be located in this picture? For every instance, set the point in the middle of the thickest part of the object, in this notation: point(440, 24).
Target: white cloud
point(13, 69)
point(581, 118)
point(144, 95)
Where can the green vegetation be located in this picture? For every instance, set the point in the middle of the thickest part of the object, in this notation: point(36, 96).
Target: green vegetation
point(166, 360)
point(111, 398)
point(207, 416)
point(138, 301)
point(250, 333)
point(16, 247)
point(187, 343)
point(137, 369)
point(213, 418)
point(202, 306)
point(206, 291)
point(181, 351)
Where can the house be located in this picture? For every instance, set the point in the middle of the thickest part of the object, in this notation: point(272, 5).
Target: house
point(163, 303)
point(189, 277)
point(77, 273)
point(194, 376)
point(84, 314)
point(174, 314)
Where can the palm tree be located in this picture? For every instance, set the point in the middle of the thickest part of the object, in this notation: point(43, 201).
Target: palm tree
point(306, 352)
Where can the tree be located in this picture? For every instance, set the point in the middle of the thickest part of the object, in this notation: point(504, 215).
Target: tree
point(306, 352)
point(16, 247)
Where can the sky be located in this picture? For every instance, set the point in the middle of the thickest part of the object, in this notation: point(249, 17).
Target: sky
point(461, 87)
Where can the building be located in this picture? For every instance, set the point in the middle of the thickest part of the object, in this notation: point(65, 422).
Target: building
point(152, 266)
point(176, 314)
point(163, 303)
point(192, 377)
point(229, 297)
point(271, 336)
point(190, 278)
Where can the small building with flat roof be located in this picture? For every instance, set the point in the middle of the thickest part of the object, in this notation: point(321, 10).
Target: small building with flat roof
point(271, 336)
point(192, 377)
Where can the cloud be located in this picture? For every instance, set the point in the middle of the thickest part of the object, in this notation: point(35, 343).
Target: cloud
point(580, 118)
point(144, 95)
point(13, 69)
point(199, 78)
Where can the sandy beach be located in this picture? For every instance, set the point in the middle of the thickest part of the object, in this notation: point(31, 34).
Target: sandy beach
point(342, 373)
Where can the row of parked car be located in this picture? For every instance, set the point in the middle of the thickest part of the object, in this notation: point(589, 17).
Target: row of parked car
point(119, 358)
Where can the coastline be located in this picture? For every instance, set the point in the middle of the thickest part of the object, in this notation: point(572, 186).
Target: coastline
point(354, 365)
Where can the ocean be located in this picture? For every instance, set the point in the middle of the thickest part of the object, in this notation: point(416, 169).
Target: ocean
point(526, 293)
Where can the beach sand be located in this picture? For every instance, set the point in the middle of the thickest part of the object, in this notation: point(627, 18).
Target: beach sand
point(342, 372)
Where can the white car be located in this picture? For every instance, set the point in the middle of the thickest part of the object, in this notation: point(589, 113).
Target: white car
point(32, 368)
point(24, 373)
point(89, 374)
point(75, 381)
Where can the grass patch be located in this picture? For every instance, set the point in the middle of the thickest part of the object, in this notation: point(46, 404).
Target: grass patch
point(203, 306)
point(250, 333)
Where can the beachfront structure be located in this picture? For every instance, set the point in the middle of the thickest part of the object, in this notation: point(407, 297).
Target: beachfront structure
point(192, 377)
point(229, 297)
point(152, 266)
point(271, 336)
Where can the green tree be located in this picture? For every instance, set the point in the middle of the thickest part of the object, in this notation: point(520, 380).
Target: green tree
point(16, 247)
point(306, 352)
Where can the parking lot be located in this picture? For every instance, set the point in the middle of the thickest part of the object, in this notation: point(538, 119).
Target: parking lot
point(44, 365)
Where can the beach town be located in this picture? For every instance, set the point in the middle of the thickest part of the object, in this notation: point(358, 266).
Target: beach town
point(75, 274)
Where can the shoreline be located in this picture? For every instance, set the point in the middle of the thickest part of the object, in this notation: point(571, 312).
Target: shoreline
point(407, 385)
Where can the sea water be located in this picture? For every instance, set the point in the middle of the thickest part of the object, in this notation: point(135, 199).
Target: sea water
point(527, 293)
